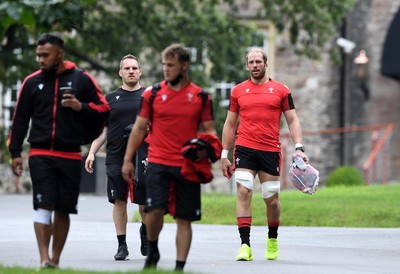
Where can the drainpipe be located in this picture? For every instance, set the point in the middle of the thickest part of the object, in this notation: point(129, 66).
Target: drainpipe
point(342, 92)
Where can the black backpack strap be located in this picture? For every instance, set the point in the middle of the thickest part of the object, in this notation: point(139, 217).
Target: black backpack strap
point(154, 90)
point(204, 97)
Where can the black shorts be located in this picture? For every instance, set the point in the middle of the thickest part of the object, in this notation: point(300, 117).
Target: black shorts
point(167, 189)
point(118, 188)
point(55, 183)
point(256, 160)
point(140, 163)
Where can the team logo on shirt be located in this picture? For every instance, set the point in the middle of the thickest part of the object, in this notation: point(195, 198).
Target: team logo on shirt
point(164, 97)
point(40, 86)
point(190, 97)
point(237, 161)
point(117, 97)
point(69, 83)
point(271, 90)
point(247, 90)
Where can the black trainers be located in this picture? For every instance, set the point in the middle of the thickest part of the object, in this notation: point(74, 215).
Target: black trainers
point(122, 253)
point(152, 260)
point(143, 241)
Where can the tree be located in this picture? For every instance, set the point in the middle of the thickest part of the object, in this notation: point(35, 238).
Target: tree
point(20, 22)
point(310, 23)
point(99, 32)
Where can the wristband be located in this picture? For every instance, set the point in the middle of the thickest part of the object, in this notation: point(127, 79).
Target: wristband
point(299, 146)
point(224, 153)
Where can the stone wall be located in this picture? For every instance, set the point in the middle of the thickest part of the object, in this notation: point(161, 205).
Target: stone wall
point(385, 92)
point(316, 87)
point(315, 93)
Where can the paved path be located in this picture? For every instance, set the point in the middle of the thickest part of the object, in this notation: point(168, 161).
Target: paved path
point(303, 250)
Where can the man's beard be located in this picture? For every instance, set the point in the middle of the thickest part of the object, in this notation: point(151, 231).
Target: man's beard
point(53, 69)
point(176, 80)
point(260, 75)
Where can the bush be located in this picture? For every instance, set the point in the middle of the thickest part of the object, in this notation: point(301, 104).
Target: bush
point(345, 176)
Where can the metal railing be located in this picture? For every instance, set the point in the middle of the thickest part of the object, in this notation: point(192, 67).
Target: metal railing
point(377, 168)
point(376, 164)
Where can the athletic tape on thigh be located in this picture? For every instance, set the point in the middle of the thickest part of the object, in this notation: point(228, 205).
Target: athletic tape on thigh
point(244, 178)
point(43, 216)
point(270, 188)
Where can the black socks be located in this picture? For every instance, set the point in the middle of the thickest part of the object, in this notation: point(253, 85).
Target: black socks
point(121, 240)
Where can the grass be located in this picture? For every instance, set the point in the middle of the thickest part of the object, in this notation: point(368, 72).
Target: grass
point(364, 206)
point(20, 270)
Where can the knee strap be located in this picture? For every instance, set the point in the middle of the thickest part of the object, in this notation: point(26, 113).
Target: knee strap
point(244, 178)
point(270, 188)
point(43, 216)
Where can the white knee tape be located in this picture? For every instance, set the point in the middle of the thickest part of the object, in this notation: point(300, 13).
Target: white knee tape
point(244, 178)
point(270, 188)
point(43, 216)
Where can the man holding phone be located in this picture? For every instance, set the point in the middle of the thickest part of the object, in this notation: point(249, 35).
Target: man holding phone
point(59, 100)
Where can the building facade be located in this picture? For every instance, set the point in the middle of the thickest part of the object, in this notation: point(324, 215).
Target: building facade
point(330, 96)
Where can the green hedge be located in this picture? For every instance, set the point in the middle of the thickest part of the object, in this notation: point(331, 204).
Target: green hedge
point(345, 176)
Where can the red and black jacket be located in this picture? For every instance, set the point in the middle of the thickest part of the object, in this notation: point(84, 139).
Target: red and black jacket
point(55, 129)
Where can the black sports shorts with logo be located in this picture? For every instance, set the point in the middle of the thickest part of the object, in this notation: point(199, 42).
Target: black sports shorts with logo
point(118, 188)
point(256, 160)
point(167, 189)
point(55, 183)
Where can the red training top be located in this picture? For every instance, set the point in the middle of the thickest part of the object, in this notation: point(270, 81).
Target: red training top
point(260, 108)
point(175, 117)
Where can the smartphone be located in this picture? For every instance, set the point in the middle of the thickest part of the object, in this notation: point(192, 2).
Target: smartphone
point(66, 90)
